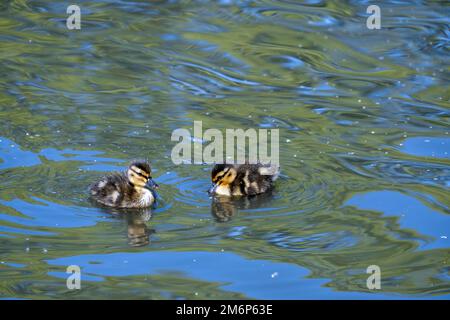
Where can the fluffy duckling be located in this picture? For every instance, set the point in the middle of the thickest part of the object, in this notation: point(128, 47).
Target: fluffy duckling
point(129, 189)
point(242, 180)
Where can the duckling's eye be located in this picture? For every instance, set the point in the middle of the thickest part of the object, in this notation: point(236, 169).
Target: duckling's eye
point(218, 176)
point(139, 174)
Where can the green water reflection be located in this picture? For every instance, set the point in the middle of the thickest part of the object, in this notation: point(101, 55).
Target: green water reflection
point(360, 185)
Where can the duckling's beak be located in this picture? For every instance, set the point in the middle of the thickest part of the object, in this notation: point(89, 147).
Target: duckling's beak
point(212, 189)
point(151, 184)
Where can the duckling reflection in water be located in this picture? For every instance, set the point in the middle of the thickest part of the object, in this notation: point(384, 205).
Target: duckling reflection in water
point(137, 220)
point(223, 208)
point(131, 189)
point(138, 231)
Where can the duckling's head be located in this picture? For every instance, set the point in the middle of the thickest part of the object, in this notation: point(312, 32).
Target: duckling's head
point(222, 176)
point(139, 174)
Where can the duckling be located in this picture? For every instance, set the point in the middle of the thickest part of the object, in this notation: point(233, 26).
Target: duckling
point(242, 180)
point(129, 189)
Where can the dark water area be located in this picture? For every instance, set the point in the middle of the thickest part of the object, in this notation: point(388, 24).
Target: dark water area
point(364, 148)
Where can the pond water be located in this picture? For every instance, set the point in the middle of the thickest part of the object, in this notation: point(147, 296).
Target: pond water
point(364, 148)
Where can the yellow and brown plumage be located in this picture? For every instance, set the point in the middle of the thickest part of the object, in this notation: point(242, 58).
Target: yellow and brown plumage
point(129, 189)
point(242, 180)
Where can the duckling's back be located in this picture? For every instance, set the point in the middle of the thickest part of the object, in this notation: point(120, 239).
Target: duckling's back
point(111, 190)
point(256, 178)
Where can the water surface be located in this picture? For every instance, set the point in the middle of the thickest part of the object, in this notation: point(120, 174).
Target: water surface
point(364, 144)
